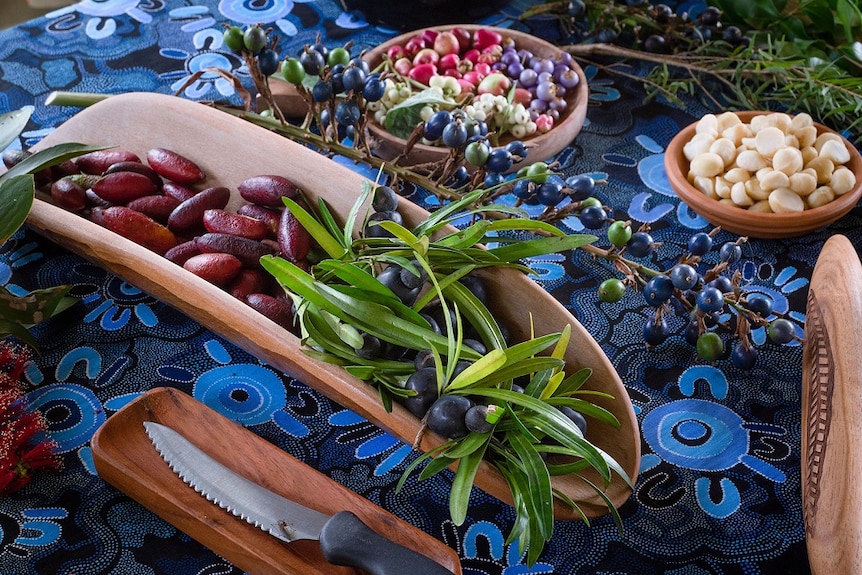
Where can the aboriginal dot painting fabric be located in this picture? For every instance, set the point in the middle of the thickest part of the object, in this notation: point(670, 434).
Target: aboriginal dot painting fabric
point(719, 485)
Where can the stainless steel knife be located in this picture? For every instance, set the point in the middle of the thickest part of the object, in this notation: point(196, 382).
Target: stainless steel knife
point(344, 539)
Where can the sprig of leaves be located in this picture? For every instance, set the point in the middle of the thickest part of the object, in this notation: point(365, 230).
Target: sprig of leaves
point(340, 299)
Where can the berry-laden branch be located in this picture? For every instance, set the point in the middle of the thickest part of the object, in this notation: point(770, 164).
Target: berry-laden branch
point(460, 122)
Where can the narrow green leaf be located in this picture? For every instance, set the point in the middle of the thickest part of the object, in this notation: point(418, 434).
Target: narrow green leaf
point(474, 311)
point(466, 445)
point(459, 496)
point(479, 369)
point(517, 369)
point(552, 422)
point(330, 244)
point(296, 280)
point(16, 200)
point(48, 157)
point(379, 320)
point(12, 124)
point(8, 328)
point(352, 274)
point(435, 466)
point(553, 383)
point(541, 246)
point(541, 497)
point(526, 225)
point(353, 214)
point(468, 237)
point(575, 381)
point(440, 217)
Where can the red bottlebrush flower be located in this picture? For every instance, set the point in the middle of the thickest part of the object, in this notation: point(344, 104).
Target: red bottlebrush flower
point(24, 444)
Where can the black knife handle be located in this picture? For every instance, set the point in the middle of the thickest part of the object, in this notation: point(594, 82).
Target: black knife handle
point(346, 540)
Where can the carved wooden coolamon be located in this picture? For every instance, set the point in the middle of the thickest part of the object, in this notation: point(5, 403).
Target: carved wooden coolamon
point(832, 412)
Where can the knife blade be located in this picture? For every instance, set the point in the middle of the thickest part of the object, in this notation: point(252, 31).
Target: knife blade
point(344, 539)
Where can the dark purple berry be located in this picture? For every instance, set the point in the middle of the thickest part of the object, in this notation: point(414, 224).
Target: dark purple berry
point(446, 416)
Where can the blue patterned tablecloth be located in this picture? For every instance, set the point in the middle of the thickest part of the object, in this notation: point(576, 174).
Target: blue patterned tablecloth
point(719, 487)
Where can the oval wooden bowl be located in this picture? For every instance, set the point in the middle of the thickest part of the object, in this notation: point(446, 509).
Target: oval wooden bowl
point(230, 150)
point(755, 224)
point(542, 147)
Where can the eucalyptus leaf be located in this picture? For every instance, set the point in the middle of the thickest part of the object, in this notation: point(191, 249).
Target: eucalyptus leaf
point(12, 124)
point(48, 157)
point(16, 200)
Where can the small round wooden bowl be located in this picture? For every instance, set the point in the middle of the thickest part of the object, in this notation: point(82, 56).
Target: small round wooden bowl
point(756, 224)
point(541, 147)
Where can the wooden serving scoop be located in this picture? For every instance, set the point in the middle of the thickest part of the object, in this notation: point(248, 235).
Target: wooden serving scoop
point(126, 458)
point(832, 412)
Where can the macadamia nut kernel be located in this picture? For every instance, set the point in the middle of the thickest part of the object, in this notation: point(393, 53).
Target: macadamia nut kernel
point(774, 163)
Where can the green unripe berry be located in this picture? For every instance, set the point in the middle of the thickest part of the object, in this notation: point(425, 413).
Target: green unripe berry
point(293, 71)
point(233, 39)
point(619, 233)
point(254, 39)
point(476, 153)
point(591, 201)
point(538, 172)
point(612, 290)
point(709, 346)
point(338, 55)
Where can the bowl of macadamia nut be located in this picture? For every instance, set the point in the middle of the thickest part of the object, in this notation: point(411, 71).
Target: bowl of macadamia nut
point(764, 174)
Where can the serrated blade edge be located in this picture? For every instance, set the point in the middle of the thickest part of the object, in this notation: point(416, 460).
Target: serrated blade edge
point(269, 511)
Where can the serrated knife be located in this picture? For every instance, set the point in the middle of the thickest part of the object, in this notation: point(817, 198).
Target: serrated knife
point(344, 539)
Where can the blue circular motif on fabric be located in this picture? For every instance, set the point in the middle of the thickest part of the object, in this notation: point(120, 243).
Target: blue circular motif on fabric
point(696, 434)
point(246, 393)
point(73, 413)
point(253, 11)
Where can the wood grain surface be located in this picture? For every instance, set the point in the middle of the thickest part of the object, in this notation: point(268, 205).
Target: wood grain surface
point(125, 458)
point(230, 150)
point(832, 412)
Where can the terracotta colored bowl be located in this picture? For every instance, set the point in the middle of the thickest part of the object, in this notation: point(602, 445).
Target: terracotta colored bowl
point(757, 224)
point(542, 147)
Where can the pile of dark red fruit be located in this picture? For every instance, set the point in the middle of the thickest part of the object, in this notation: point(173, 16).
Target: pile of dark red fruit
point(155, 203)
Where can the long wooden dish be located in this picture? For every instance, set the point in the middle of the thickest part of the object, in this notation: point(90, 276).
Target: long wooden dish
point(832, 412)
point(125, 458)
point(230, 150)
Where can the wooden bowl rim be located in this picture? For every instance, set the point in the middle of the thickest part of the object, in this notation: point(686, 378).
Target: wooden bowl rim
point(757, 224)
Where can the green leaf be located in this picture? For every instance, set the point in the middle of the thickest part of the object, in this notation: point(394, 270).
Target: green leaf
point(574, 382)
point(466, 446)
point(330, 244)
point(541, 497)
point(353, 214)
point(49, 157)
point(459, 496)
point(16, 200)
point(541, 246)
point(8, 328)
point(404, 117)
point(12, 124)
point(441, 216)
point(552, 422)
point(479, 369)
